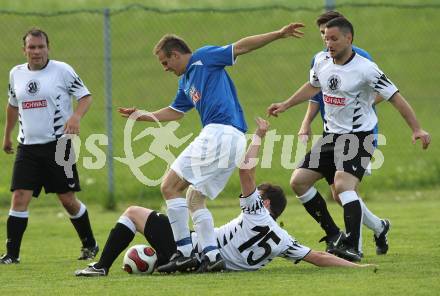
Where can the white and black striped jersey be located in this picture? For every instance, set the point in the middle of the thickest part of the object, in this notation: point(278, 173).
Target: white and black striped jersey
point(254, 238)
point(43, 98)
point(349, 91)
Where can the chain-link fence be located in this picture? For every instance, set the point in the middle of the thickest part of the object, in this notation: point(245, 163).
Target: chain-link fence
point(401, 39)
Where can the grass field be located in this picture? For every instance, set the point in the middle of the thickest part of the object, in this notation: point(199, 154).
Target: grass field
point(50, 247)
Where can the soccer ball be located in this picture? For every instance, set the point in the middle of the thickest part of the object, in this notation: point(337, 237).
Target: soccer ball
point(140, 259)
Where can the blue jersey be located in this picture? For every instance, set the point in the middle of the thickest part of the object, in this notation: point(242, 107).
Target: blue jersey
point(207, 86)
point(318, 97)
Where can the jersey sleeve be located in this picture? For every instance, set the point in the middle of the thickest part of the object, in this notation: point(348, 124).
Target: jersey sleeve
point(294, 251)
point(313, 79)
point(252, 204)
point(181, 103)
point(377, 80)
point(74, 85)
point(317, 98)
point(217, 56)
point(12, 98)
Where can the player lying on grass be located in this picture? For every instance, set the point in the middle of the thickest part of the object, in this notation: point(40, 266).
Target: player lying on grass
point(248, 242)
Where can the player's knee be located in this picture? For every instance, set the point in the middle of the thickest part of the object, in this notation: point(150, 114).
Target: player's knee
point(69, 200)
point(131, 212)
point(20, 200)
point(167, 191)
point(339, 188)
point(298, 185)
point(138, 216)
point(195, 200)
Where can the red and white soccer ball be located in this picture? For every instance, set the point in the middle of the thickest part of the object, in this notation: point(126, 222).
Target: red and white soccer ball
point(140, 259)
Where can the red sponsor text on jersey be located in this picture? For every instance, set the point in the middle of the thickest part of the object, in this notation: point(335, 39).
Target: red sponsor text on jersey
point(334, 100)
point(195, 94)
point(34, 104)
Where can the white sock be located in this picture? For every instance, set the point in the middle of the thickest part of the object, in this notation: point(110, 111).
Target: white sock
point(177, 211)
point(124, 220)
point(370, 220)
point(204, 227)
point(81, 211)
point(309, 195)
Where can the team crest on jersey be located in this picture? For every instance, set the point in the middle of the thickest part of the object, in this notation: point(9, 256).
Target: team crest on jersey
point(334, 82)
point(194, 94)
point(33, 87)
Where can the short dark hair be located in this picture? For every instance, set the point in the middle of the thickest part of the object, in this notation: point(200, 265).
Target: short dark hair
point(276, 196)
point(171, 42)
point(327, 16)
point(343, 24)
point(36, 32)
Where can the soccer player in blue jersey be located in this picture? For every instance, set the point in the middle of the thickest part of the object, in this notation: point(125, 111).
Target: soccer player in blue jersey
point(210, 159)
point(380, 227)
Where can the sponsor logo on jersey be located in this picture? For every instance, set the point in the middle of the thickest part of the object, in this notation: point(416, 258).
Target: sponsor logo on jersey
point(194, 94)
point(334, 82)
point(334, 100)
point(33, 87)
point(34, 104)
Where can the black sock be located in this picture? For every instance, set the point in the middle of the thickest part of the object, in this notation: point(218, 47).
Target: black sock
point(15, 227)
point(84, 230)
point(119, 239)
point(352, 219)
point(317, 208)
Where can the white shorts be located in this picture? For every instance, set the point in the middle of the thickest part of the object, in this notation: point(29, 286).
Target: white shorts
point(208, 162)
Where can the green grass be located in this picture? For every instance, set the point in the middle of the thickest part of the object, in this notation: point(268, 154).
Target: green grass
point(262, 77)
point(50, 247)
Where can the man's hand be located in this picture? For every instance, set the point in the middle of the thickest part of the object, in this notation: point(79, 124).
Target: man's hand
point(423, 136)
point(262, 127)
point(72, 125)
point(276, 108)
point(305, 132)
point(126, 112)
point(291, 30)
point(7, 146)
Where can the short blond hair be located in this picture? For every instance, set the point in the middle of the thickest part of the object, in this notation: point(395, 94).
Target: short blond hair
point(170, 42)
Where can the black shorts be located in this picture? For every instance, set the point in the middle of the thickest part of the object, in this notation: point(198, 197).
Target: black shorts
point(350, 153)
point(35, 167)
point(160, 236)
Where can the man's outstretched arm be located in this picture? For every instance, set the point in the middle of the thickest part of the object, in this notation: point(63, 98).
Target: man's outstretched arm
point(251, 43)
point(164, 114)
point(247, 168)
point(324, 259)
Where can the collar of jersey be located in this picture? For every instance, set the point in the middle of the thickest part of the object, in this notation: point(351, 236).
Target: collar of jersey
point(44, 67)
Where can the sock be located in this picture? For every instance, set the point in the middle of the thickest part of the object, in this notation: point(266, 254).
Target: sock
point(317, 208)
point(118, 240)
point(15, 227)
point(352, 216)
point(177, 211)
point(204, 227)
point(370, 220)
point(81, 223)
